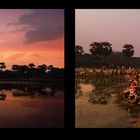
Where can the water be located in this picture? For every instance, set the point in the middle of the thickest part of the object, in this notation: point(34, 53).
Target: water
point(86, 88)
point(101, 84)
point(31, 106)
point(102, 111)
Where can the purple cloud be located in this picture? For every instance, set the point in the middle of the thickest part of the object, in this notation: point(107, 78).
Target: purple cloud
point(43, 24)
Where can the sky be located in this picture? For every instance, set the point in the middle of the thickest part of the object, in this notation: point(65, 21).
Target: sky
point(117, 26)
point(32, 36)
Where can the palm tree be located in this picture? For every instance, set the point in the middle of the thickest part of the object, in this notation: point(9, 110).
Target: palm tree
point(128, 50)
point(2, 66)
point(31, 65)
point(106, 49)
point(79, 50)
point(42, 70)
point(23, 68)
point(96, 48)
point(50, 67)
point(42, 67)
point(15, 67)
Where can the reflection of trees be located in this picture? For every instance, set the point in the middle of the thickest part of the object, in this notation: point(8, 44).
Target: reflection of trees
point(46, 92)
point(2, 95)
point(33, 91)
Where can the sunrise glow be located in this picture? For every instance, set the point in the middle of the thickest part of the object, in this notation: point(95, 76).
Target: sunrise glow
point(32, 36)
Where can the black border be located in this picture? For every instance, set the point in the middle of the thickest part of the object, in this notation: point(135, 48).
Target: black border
point(69, 68)
point(69, 7)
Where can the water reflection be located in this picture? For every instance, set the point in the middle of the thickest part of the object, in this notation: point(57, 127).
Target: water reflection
point(84, 88)
point(95, 85)
point(29, 91)
point(2, 95)
point(41, 106)
point(33, 92)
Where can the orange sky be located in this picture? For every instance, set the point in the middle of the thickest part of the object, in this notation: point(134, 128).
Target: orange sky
point(20, 45)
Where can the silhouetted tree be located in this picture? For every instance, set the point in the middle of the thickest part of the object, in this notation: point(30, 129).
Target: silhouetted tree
point(101, 49)
point(96, 48)
point(32, 71)
point(42, 67)
point(79, 50)
point(106, 49)
point(31, 65)
point(50, 67)
point(23, 69)
point(56, 73)
point(42, 70)
point(29, 72)
point(15, 67)
point(2, 65)
point(128, 50)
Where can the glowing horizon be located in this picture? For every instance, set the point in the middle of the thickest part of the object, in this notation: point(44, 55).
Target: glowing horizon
point(32, 36)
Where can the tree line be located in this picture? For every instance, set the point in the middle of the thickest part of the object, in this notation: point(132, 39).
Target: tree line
point(30, 72)
point(102, 51)
point(105, 49)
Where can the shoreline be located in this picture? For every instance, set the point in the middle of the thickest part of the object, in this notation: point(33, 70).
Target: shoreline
point(37, 84)
point(28, 81)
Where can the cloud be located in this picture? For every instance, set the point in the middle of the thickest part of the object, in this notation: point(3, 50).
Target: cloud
point(42, 25)
point(35, 55)
point(16, 57)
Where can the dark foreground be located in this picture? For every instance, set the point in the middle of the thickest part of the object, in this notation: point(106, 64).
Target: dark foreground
point(98, 102)
point(27, 107)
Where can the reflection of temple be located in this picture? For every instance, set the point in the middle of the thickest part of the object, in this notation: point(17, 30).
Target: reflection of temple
point(2, 95)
